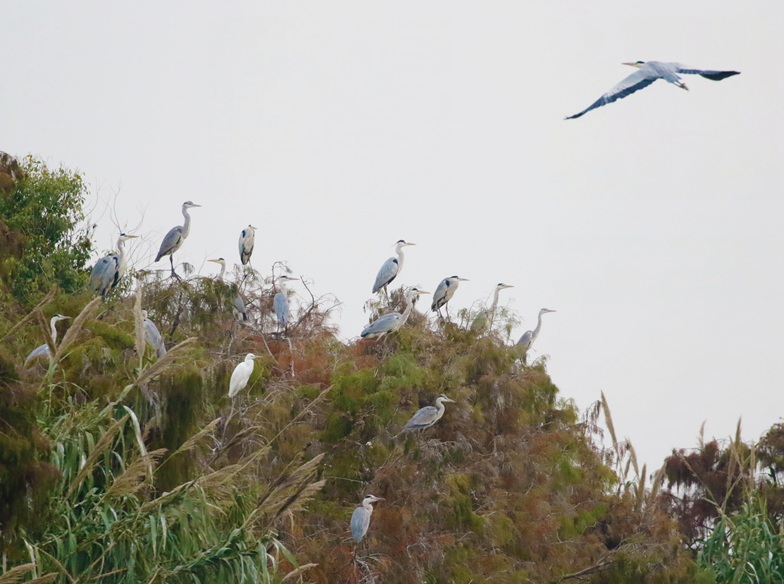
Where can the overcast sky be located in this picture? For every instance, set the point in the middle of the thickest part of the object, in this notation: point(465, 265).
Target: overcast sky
point(652, 225)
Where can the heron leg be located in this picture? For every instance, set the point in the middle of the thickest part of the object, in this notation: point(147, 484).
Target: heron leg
point(446, 309)
point(171, 261)
point(682, 85)
point(386, 293)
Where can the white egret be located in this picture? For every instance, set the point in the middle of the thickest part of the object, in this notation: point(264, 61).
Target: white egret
point(241, 375)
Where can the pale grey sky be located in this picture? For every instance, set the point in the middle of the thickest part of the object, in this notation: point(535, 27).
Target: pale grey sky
point(652, 225)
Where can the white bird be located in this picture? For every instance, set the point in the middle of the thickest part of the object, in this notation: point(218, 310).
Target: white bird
point(109, 270)
point(443, 294)
point(649, 72)
point(43, 350)
point(529, 337)
point(392, 321)
point(281, 301)
point(390, 269)
point(153, 336)
point(239, 303)
point(360, 520)
point(484, 320)
point(241, 375)
point(428, 415)
point(176, 236)
point(246, 243)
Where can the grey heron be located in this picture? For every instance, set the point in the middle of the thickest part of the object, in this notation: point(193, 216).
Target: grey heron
point(392, 321)
point(390, 269)
point(444, 292)
point(153, 336)
point(176, 236)
point(428, 415)
point(239, 303)
point(484, 320)
point(241, 375)
point(43, 350)
point(246, 243)
point(529, 337)
point(649, 72)
point(108, 271)
point(281, 301)
point(360, 520)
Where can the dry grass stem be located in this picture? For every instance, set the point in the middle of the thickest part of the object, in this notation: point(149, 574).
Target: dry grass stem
point(165, 361)
point(49, 297)
point(74, 330)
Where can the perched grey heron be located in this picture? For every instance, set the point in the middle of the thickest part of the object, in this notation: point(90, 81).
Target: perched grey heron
point(43, 350)
point(241, 375)
point(428, 415)
point(444, 292)
point(281, 301)
point(108, 271)
point(246, 243)
point(392, 321)
point(360, 520)
point(176, 236)
point(153, 336)
point(390, 269)
point(649, 72)
point(484, 320)
point(239, 303)
point(529, 337)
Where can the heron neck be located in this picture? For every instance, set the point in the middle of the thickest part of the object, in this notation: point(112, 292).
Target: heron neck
point(186, 227)
point(53, 325)
point(538, 328)
point(282, 286)
point(368, 505)
point(407, 311)
point(223, 271)
point(400, 258)
point(441, 407)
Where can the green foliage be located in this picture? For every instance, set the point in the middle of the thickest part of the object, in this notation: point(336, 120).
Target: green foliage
point(46, 209)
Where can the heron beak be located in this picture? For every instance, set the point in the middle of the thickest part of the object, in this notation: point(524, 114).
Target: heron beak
point(635, 65)
point(214, 261)
point(131, 236)
point(195, 205)
point(410, 243)
point(463, 280)
point(423, 292)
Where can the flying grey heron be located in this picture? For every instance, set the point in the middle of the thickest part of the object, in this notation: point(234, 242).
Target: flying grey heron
point(246, 243)
point(43, 350)
point(108, 271)
point(360, 520)
point(649, 72)
point(176, 236)
point(428, 415)
point(239, 303)
point(484, 320)
point(444, 292)
point(241, 375)
point(529, 337)
point(392, 321)
point(281, 301)
point(153, 336)
point(390, 269)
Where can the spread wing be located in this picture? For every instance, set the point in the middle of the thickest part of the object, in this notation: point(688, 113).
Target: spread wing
point(170, 243)
point(634, 82)
point(708, 74)
point(386, 274)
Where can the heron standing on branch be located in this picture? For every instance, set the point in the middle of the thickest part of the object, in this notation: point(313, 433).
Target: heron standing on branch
point(281, 301)
point(428, 415)
point(239, 303)
point(444, 292)
point(360, 520)
point(246, 243)
point(108, 271)
point(484, 320)
point(394, 320)
point(529, 337)
point(43, 350)
point(390, 269)
point(649, 72)
point(176, 236)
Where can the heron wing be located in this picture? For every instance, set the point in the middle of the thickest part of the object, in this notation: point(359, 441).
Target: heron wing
point(105, 273)
point(386, 274)
point(480, 322)
point(708, 74)
point(440, 295)
point(170, 243)
point(281, 305)
point(153, 335)
point(423, 418)
point(37, 353)
point(239, 306)
point(383, 324)
point(525, 340)
point(634, 82)
point(246, 245)
point(360, 520)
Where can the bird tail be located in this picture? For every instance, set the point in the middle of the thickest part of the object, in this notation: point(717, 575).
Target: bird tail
point(244, 317)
